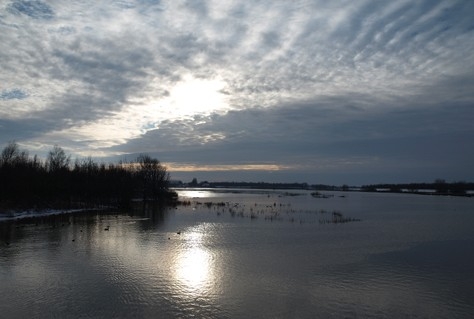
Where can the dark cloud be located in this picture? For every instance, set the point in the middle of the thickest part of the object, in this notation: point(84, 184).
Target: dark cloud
point(320, 140)
point(30, 128)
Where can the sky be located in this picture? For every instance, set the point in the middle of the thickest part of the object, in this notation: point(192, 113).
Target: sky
point(331, 92)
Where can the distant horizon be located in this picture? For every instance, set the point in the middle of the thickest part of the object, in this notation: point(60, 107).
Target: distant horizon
point(189, 181)
point(228, 173)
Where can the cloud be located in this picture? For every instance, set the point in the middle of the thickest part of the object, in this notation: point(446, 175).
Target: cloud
point(13, 94)
point(238, 83)
point(318, 139)
point(31, 8)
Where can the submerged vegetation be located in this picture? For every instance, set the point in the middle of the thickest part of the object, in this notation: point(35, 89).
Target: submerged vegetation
point(29, 183)
point(269, 212)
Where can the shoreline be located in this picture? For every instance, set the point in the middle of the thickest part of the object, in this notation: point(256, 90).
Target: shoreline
point(23, 214)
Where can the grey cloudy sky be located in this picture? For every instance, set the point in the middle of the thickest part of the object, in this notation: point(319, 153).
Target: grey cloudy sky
point(310, 91)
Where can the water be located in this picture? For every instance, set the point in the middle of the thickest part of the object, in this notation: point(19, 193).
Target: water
point(260, 254)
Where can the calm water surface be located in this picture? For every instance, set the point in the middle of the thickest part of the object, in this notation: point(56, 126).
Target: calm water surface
point(246, 254)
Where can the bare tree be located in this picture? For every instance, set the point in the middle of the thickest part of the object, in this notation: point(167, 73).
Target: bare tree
point(57, 159)
point(153, 175)
point(9, 153)
point(12, 155)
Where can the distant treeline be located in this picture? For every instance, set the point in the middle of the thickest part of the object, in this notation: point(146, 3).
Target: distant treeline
point(256, 185)
point(28, 182)
point(259, 185)
point(439, 186)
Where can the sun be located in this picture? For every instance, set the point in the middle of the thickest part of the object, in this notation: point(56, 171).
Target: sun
point(195, 96)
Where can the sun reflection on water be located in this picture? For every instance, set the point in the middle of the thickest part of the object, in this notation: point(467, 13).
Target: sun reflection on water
point(194, 263)
point(196, 193)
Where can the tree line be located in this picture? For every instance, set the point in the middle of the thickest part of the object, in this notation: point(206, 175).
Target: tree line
point(57, 182)
point(259, 185)
point(439, 186)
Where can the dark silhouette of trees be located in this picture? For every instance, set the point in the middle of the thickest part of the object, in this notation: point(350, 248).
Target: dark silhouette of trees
point(27, 182)
point(16, 172)
point(57, 160)
point(152, 176)
point(459, 188)
point(441, 186)
point(438, 187)
point(194, 182)
point(11, 155)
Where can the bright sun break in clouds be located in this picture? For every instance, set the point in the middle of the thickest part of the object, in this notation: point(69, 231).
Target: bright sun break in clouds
point(187, 98)
point(193, 96)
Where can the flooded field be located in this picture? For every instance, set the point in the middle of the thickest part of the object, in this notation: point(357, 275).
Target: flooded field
point(246, 253)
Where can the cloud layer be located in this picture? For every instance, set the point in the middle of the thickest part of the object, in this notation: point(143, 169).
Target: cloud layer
point(353, 91)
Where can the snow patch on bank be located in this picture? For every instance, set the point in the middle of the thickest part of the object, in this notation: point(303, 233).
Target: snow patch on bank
point(16, 215)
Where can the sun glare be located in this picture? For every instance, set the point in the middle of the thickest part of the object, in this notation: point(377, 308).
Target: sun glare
point(194, 263)
point(193, 268)
point(189, 97)
point(193, 96)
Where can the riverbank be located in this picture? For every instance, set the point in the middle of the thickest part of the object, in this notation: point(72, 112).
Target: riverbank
point(23, 214)
point(13, 212)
